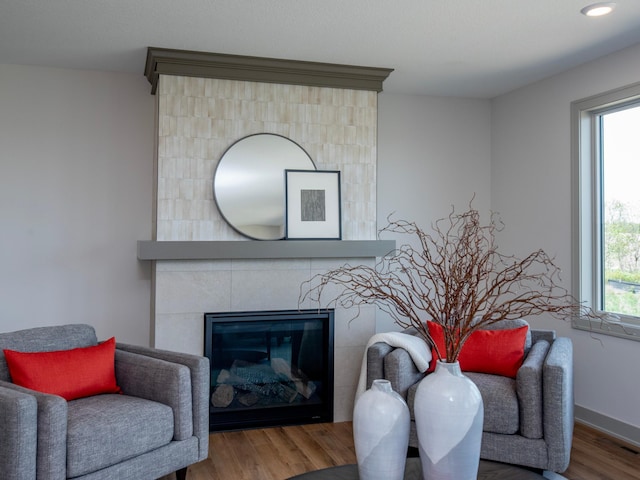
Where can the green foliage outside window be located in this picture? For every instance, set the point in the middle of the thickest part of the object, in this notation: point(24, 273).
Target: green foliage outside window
point(622, 260)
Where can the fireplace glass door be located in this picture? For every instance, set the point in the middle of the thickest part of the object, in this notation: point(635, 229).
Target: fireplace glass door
point(270, 368)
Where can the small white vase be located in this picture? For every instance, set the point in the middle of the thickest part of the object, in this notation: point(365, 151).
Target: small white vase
point(449, 414)
point(381, 423)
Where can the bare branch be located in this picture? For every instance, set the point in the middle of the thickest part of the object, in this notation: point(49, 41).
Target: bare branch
point(455, 278)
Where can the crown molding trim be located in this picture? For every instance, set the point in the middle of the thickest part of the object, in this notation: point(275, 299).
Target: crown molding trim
point(162, 61)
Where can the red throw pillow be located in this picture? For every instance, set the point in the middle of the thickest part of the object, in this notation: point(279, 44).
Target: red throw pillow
point(75, 373)
point(500, 352)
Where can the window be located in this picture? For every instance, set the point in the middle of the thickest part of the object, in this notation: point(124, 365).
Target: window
point(606, 209)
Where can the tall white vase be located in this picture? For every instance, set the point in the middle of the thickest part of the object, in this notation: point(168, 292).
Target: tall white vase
point(449, 413)
point(381, 423)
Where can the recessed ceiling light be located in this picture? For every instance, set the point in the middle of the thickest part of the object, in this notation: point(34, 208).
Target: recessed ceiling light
point(598, 9)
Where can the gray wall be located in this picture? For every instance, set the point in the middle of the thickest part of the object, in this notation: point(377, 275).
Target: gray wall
point(432, 153)
point(531, 188)
point(76, 168)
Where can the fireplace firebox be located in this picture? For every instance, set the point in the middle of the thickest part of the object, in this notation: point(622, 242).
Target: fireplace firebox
point(269, 368)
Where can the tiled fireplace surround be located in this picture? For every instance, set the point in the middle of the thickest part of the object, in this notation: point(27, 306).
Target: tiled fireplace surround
point(198, 118)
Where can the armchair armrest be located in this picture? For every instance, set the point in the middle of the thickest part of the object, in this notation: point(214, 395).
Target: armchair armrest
point(199, 372)
point(529, 390)
point(538, 334)
point(375, 361)
point(558, 403)
point(18, 423)
point(400, 370)
point(393, 364)
point(50, 429)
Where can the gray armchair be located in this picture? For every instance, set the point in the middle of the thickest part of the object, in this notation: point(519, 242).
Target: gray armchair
point(527, 420)
point(158, 425)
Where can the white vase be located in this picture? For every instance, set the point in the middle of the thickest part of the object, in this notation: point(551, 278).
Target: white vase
point(381, 423)
point(449, 413)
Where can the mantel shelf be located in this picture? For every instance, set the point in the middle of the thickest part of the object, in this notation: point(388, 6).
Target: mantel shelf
point(220, 250)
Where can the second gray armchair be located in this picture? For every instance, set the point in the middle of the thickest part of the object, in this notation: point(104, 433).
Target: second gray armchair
point(527, 420)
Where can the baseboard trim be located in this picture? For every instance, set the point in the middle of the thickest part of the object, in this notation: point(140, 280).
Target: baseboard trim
point(608, 425)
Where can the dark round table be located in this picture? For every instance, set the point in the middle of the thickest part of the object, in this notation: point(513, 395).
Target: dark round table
point(413, 471)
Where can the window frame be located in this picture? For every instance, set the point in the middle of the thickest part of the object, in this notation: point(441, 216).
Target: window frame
point(586, 207)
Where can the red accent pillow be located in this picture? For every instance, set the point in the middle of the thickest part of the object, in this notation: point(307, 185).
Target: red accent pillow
point(500, 352)
point(75, 373)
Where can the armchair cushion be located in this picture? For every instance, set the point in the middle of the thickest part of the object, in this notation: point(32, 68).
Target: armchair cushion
point(501, 408)
point(104, 430)
point(71, 374)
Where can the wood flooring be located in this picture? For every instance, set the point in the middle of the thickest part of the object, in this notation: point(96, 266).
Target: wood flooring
point(596, 456)
point(281, 452)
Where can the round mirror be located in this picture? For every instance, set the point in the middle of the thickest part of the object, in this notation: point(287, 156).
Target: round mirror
point(248, 184)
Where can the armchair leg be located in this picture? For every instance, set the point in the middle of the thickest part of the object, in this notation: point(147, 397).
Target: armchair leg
point(181, 474)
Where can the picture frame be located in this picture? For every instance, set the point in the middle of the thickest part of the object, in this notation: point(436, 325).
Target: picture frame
point(313, 205)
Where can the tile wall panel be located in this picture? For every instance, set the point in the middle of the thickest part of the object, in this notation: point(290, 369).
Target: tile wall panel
point(198, 119)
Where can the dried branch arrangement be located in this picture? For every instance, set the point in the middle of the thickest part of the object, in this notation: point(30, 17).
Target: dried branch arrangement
point(455, 278)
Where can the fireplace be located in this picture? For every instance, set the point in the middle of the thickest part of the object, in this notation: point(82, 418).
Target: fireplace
point(203, 265)
point(269, 368)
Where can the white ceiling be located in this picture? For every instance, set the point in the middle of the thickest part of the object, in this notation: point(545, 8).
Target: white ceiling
point(468, 48)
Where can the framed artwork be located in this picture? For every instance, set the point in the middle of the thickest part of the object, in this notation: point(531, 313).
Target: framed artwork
point(313, 204)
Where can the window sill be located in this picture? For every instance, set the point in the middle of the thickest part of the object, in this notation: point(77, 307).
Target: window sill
point(619, 329)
